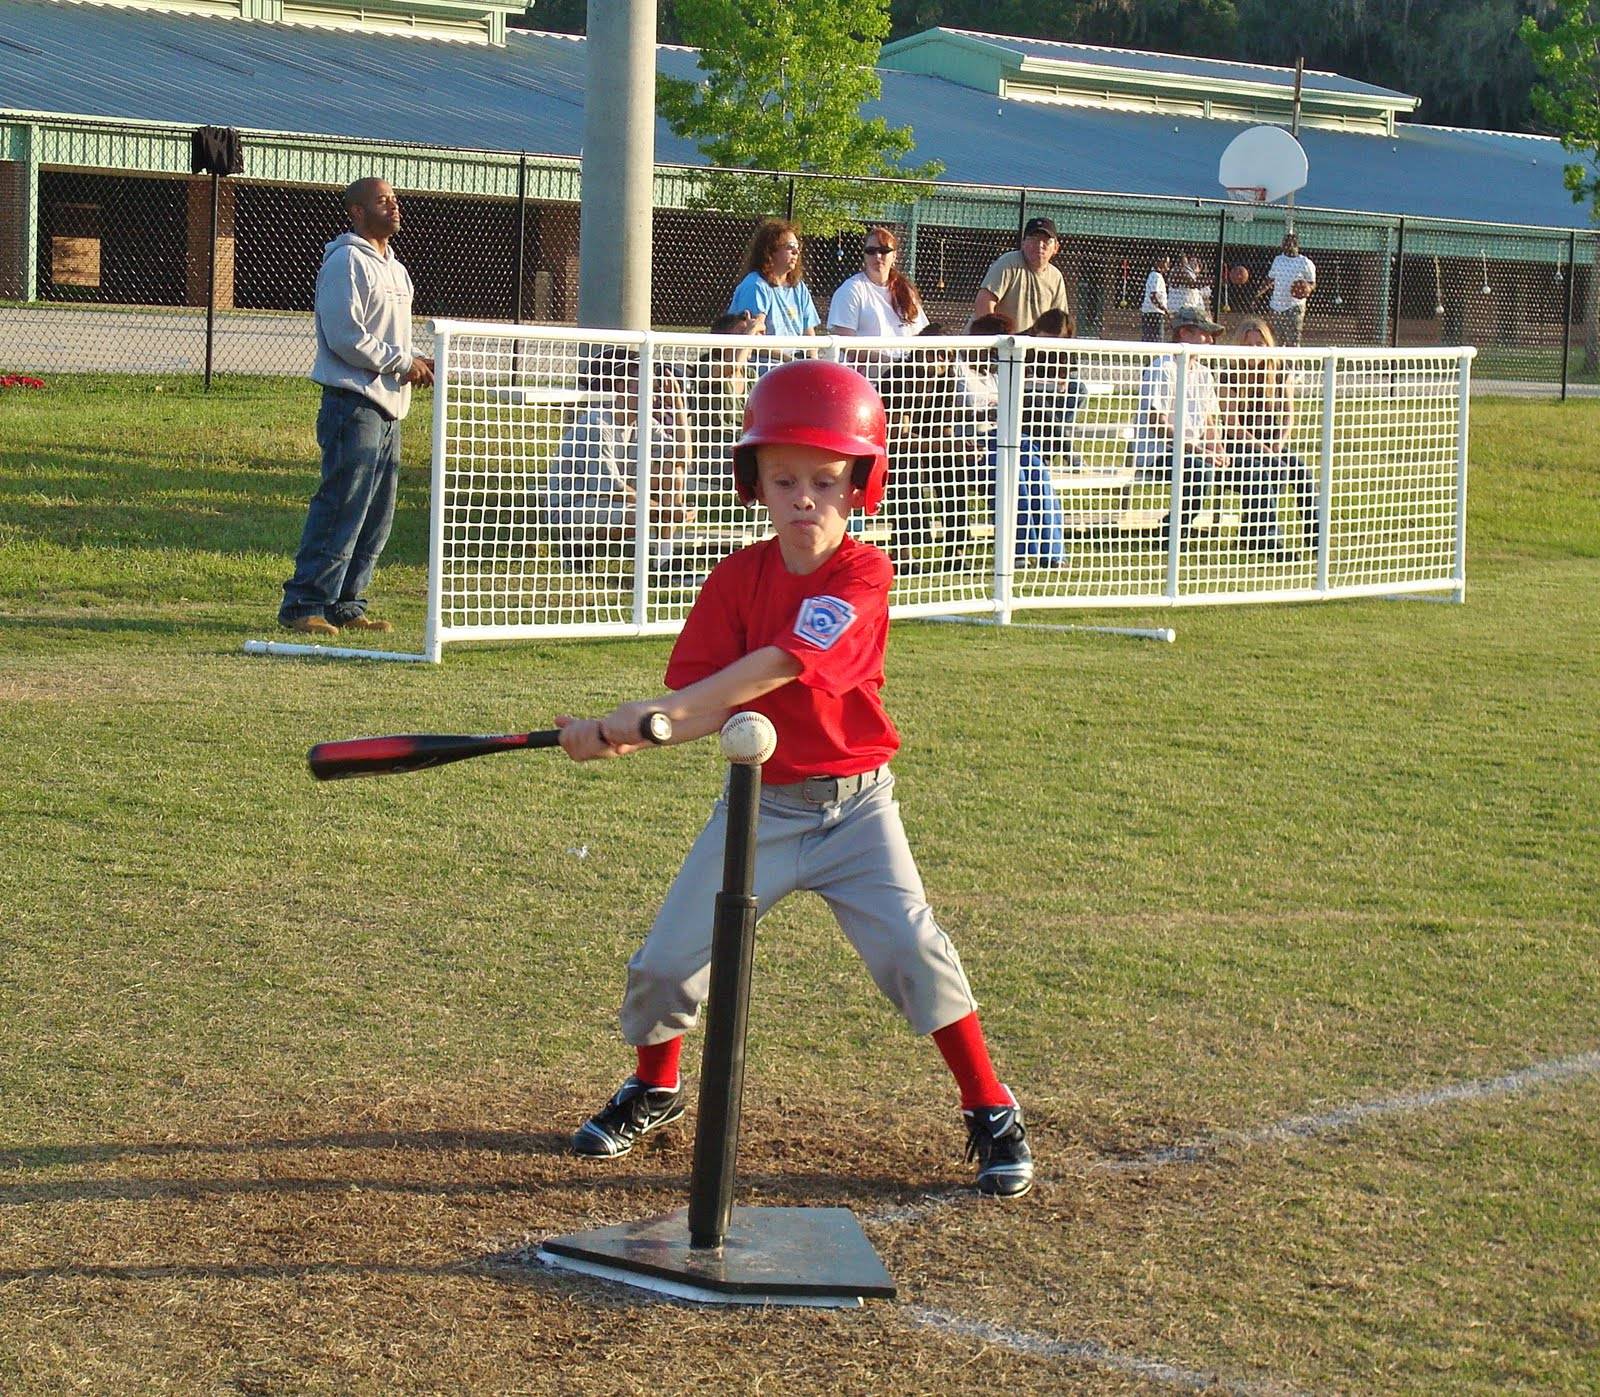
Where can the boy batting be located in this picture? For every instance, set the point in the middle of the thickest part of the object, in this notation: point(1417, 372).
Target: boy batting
point(794, 627)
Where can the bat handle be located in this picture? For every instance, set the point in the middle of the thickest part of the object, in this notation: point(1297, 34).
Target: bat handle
point(654, 727)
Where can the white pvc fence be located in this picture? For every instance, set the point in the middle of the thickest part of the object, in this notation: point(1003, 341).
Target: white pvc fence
point(1024, 474)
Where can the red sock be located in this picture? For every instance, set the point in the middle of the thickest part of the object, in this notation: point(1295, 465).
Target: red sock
point(658, 1063)
point(967, 1056)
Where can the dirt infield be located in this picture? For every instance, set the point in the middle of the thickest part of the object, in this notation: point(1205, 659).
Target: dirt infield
point(385, 1246)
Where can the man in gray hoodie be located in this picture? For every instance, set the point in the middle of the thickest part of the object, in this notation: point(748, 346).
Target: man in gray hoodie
point(366, 368)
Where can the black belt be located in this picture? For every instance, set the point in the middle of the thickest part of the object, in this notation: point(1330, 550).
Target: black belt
point(356, 393)
point(829, 790)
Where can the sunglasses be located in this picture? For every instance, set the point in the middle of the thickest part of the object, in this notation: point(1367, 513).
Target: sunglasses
point(878, 251)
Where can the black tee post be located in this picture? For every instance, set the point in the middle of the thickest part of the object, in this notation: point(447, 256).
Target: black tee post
point(716, 1139)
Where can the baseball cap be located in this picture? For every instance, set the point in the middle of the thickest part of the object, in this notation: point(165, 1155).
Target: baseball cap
point(1192, 318)
point(1041, 225)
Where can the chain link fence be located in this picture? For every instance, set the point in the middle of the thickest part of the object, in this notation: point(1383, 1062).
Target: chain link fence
point(122, 271)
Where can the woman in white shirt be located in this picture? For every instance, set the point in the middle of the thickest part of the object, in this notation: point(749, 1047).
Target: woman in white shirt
point(877, 300)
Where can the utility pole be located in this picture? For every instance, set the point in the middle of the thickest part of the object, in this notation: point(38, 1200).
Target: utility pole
point(1294, 130)
point(618, 166)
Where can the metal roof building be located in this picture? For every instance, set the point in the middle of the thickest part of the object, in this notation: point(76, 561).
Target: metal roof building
point(994, 110)
point(481, 125)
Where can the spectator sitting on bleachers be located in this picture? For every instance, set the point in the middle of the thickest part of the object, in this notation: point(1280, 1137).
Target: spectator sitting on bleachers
point(774, 281)
point(716, 385)
point(590, 495)
point(1053, 391)
point(1023, 284)
point(1150, 452)
point(979, 387)
point(1258, 417)
point(878, 300)
point(933, 456)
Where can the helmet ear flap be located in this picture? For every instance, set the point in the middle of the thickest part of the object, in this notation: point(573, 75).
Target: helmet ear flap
point(861, 473)
point(745, 475)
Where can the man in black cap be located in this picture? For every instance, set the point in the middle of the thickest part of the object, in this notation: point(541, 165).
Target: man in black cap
point(1024, 285)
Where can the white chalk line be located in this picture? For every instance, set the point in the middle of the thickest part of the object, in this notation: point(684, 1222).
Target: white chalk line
point(1087, 1351)
point(1341, 1117)
point(1159, 1371)
point(915, 1212)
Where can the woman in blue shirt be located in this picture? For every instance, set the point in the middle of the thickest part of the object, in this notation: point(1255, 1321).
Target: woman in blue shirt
point(772, 286)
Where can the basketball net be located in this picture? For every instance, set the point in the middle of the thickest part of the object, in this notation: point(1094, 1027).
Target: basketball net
point(1246, 197)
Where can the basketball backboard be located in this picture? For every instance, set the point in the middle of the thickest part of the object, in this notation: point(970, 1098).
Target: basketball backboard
point(1265, 159)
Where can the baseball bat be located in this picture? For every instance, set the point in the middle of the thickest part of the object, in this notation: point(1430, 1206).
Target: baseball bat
point(388, 756)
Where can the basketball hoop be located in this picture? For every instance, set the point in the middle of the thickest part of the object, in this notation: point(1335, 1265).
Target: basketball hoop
point(1245, 197)
point(1262, 164)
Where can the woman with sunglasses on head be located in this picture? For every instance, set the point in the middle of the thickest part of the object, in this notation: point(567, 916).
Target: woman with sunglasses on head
point(773, 286)
point(879, 299)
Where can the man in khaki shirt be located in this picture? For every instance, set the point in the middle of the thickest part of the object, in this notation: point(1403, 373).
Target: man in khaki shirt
point(1024, 285)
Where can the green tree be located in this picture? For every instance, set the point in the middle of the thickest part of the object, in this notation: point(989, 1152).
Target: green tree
point(1567, 55)
point(1203, 27)
point(1461, 57)
point(1567, 100)
point(783, 89)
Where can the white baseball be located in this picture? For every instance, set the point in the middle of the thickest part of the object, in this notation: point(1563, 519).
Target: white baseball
point(748, 739)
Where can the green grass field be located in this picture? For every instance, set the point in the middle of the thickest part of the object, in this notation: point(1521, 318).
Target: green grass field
point(286, 1071)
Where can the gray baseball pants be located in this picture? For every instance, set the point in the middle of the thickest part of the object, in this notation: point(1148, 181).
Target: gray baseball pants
point(853, 852)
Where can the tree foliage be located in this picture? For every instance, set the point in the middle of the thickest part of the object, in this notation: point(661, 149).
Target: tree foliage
point(1463, 58)
point(783, 88)
point(1567, 55)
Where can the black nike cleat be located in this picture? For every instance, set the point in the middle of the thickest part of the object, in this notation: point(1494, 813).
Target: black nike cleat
point(634, 1111)
point(997, 1139)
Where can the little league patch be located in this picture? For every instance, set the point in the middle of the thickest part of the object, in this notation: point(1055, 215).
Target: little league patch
point(822, 620)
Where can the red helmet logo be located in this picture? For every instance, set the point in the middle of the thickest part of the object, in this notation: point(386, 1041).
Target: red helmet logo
point(816, 402)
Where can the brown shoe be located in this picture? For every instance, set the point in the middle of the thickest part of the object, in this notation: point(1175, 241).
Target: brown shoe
point(368, 623)
point(312, 625)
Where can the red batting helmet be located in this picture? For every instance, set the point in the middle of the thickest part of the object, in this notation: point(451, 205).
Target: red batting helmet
point(816, 402)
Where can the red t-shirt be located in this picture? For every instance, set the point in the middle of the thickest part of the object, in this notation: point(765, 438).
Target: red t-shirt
point(835, 621)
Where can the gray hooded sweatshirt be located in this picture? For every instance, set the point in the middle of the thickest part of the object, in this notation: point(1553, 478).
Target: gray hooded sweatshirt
point(364, 323)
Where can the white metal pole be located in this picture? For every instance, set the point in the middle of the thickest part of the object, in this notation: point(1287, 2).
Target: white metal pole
point(1330, 379)
point(1463, 398)
point(432, 641)
point(1012, 367)
point(1180, 443)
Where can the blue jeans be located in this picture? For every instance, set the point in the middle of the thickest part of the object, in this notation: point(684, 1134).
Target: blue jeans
point(1261, 480)
point(349, 518)
point(1041, 535)
point(1041, 531)
point(1198, 473)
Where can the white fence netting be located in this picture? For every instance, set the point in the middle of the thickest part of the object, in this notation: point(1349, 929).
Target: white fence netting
point(581, 479)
